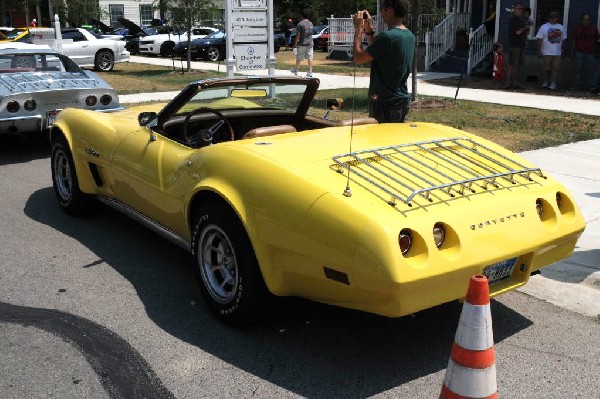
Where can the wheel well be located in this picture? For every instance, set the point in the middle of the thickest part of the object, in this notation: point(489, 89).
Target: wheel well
point(202, 198)
point(169, 42)
point(104, 49)
point(56, 134)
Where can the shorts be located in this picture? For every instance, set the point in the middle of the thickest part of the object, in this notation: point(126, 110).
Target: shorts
point(551, 62)
point(389, 111)
point(304, 53)
point(516, 56)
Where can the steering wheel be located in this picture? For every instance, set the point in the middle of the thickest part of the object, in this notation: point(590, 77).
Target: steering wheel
point(205, 135)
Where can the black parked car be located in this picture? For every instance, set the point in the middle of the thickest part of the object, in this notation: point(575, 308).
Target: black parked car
point(134, 32)
point(211, 47)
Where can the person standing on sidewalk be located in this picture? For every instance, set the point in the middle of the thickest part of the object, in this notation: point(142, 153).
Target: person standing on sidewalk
point(584, 41)
point(391, 56)
point(287, 28)
point(303, 44)
point(550, 40)
point(518, 29)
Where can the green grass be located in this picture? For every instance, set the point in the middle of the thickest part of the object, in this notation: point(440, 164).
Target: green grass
point(516, 128)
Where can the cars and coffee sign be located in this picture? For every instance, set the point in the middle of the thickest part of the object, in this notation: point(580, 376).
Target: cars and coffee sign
point(249, 25)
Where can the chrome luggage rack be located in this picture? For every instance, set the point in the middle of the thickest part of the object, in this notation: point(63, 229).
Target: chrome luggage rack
point(418, 170)
point(45, 81)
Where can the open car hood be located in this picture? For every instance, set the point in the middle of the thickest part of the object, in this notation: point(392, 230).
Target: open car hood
point(134, 29)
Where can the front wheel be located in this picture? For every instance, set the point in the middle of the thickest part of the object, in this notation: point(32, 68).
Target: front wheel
point(226, 266)
point(213, 54)
point(64, 181)
point(166, 49)
point(104, 61)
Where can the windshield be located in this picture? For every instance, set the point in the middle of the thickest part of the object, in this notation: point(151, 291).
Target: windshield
point(31, 62)
point(249, 96)
point(13, 34)
point(215, 35)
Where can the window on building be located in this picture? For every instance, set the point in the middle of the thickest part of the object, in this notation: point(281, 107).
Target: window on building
point(116, 11)
point(543, 10)
point(146, 14)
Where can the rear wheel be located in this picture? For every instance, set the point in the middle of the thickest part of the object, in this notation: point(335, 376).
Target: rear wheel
point(104, 61)
point(166, 49)
point(64, 181)
point(213, 54)
point(226, 266)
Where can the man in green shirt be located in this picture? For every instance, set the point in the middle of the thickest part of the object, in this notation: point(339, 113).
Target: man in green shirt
point(391, 56)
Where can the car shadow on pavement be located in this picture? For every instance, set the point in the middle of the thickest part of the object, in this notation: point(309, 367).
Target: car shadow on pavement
point(311, 349)
point(19, 149)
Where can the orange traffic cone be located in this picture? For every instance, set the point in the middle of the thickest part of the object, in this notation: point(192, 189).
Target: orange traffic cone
point(471, 371)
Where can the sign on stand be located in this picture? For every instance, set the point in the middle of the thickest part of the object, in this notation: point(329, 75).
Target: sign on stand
point(250, 57)
point(249, 28)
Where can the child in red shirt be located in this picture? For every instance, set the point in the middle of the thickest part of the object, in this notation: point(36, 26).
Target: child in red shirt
point(498, 65)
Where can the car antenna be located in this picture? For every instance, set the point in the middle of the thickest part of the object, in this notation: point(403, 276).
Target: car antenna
point(348, 190)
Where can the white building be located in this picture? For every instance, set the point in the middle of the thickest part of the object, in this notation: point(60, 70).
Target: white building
point(142, 12)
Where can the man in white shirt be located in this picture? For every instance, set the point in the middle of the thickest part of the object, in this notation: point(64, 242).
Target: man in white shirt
point(550, 39)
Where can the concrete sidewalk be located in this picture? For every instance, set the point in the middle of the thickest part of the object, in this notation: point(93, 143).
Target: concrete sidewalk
point(426, 87)
point(573, 283)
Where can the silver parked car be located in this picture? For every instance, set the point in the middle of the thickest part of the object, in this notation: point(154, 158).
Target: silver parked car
point(36, 83)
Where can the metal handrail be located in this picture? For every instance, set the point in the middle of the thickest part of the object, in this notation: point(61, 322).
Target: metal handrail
point(480, 45)
point(439, 40)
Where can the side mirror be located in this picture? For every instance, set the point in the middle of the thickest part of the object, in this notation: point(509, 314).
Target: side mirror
point(148, 119)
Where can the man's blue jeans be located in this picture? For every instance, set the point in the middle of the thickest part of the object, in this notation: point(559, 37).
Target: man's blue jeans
point(584, 66)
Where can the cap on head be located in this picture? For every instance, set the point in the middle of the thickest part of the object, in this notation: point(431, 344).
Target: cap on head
point(553, 14)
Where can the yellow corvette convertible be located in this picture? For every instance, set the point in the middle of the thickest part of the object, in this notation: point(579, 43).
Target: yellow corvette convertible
point(386, 218)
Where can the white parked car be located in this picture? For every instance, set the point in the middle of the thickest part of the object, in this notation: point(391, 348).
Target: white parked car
point(164, 43)
point(87, 50)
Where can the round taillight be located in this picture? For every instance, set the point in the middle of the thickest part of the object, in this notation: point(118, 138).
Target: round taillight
point(539, 207)
point(90, 101)
point(439, 234)
point(30, 105)
point(404, 240)
point(559, 200)
point(105, 99)
point(12, 106)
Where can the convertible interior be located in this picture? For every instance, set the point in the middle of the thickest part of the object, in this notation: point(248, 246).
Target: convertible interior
point(219, 110)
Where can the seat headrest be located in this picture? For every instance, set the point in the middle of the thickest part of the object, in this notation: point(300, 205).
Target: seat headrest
point(269, 131)
point(358, 121)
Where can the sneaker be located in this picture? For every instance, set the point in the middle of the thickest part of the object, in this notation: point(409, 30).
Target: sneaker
point(309, 75)
point(552, 86)
point(545, 85)
point(294, 71)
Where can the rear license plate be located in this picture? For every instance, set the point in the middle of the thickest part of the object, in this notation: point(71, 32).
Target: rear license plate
point(499, 271)
point(51, 117)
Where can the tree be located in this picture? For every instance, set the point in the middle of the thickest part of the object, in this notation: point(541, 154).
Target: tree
point(78, 12)
point(186, 13)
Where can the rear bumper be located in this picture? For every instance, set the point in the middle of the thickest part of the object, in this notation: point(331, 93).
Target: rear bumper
point(400, 298)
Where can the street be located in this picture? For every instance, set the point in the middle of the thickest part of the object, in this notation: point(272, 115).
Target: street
point(101, 307)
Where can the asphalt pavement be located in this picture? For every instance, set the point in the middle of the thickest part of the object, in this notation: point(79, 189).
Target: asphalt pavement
point(119, 316)
point(573, 283)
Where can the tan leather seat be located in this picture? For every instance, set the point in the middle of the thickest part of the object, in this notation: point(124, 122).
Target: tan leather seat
point(269, 131)
point(358, 121)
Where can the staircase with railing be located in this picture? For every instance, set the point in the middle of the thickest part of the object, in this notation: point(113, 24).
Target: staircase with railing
point(480, 45)
point(438, 36)
point(441, 38)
